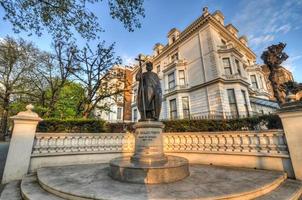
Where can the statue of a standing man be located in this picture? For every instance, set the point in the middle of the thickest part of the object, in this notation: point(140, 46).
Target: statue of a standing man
point(149, 95)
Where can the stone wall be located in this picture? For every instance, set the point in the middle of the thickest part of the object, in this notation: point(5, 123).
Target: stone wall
point(264, 150)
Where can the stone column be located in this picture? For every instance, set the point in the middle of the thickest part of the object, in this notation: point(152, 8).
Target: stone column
point(291, 116)
point(21, 144)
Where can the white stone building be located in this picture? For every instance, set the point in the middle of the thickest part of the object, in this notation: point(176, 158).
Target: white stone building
point(208, 71)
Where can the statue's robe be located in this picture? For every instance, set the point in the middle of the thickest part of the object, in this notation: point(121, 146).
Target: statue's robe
point(150, 92)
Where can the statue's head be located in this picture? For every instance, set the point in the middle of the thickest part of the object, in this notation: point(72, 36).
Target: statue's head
point(149, 66)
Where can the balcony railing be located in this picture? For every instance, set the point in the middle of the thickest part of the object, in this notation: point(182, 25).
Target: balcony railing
point(218, 115)
point(234, 77)
point(259, 90)
point(174, 63)
point(176, 87)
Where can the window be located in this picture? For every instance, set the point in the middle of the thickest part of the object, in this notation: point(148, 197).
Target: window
point(182, 80)
point(173, 39)
point(254, 82)
point(238, 67)
point(173, 109)
point(135, 115)
point(158, 68)
point(261, 82)
point(245, 103)
point(232, 103)
point(119, 113)
point(185, 107)
point(171, 80)
point(174, 57)
point(227, 66)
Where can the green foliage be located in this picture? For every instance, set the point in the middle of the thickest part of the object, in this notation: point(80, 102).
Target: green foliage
point(72, 126)
point(62, 18)
point(184, 125)
point(119, 127)
point(252, 123)
point(68, 101)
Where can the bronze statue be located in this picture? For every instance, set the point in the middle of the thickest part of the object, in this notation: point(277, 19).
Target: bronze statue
point(273, 58)
point(149, 95)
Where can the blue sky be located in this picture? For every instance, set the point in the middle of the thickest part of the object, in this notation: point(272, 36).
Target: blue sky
point(265, 22)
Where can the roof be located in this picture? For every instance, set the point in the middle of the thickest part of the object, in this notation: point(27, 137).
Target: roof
point(264, 102)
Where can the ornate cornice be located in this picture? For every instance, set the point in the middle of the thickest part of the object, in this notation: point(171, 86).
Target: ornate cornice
point(192, 28)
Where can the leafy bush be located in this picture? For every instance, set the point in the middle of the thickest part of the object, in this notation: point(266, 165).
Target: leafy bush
point(184, 125)
point(72, 126)
point(119, 127)
point(251, 123)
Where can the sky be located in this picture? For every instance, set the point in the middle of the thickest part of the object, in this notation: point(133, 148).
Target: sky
point(264, 22)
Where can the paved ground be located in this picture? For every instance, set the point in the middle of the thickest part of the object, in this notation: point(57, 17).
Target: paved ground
point(3, 153)
point(205, 182)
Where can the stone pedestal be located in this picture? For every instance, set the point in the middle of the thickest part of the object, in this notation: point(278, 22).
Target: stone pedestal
point(149, 164)
point(148, 143)
point(21, 144)
point(291, 116)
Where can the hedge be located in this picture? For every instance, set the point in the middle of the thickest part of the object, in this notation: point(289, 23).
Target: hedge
point(184, 125)
point(72, 126)
point(251, 123)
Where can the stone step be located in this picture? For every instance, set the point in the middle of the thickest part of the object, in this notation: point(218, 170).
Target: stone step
point(288, 190)
point(11, 191)
point(31, 190)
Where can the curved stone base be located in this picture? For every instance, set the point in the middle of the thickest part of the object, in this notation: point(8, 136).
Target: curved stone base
point(87, 182)
point(174, 169)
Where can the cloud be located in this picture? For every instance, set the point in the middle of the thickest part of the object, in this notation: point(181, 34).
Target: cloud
point(261, 39)
point(291, 63)
point(284, 29)
point(128, 60)
point(264, 20)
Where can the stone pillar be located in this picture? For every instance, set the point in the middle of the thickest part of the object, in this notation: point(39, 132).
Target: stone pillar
point(291, 116)
point(21, 144)
point(149, 143)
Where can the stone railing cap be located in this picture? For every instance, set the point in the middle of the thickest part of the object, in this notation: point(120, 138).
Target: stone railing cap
point(28, 114)
point(291, 107)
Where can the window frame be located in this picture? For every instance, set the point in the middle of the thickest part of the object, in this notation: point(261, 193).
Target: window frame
point(182, 78)
point(119, 113)
point(237, 63)
point(255, 82)
point(173, 113)
point(171, 83)
point(233, 104)
point(243, 92)
point(229, 66)
point(185, 110)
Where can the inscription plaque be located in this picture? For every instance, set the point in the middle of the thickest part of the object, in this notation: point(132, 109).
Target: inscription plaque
point(148, 142)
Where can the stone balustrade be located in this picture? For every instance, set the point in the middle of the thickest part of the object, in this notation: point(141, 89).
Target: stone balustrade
point(268, 143)
point(75, 143)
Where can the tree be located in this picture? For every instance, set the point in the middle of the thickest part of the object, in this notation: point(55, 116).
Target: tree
point(92, 72)
point(51, 75)
point(16, 60)
point(63, 17)
point(273, 58)
point(70, 97)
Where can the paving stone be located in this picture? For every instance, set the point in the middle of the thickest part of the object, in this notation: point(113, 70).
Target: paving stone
point(205, 182)
point(288, 190)
point(11, 191)
point(31, 190)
